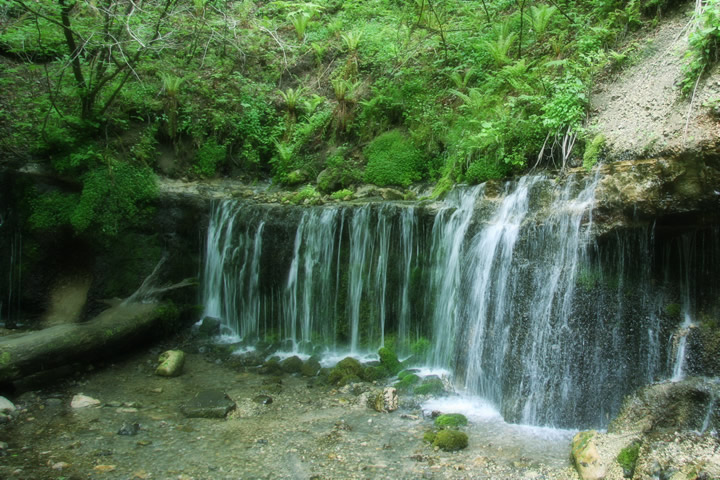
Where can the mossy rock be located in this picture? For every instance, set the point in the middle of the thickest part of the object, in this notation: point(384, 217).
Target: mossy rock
point(389, 360)
point(346, 367)
point(450, 440)
point(429, 436)
point(271, 367)
point(348, 379)
point(375, 372)
point(430, 386)
point(628, 457)
point(451, 420)
point(292, 364)
point(311, 367)
point(407, 382)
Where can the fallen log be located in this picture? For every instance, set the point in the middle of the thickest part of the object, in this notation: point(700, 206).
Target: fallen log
point(115, 328)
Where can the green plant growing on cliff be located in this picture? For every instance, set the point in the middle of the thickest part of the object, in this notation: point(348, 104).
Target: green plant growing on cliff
point(208, 157)
point(704, 45)
point(592, 151)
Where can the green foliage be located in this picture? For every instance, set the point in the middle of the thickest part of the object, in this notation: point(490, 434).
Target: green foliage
point(306, 193)
point(343, 194)
point(704, 46)
point(51, 210)
point(592, 151)
point(566, 107)
point(208, 158)
point(392, 160)
point(113, 198)
point(482, 170)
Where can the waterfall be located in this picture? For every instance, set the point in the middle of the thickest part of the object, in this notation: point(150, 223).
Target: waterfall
point(521, 303)
point(10, 307)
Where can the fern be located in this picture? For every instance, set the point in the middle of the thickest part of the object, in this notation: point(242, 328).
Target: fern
point(540, 18)
point(499, 48)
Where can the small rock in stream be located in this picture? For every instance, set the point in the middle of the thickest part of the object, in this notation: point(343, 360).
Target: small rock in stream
point(171, 363)
point(129, 429)
point(83, 401)
point(208, 404)
point(263, 399)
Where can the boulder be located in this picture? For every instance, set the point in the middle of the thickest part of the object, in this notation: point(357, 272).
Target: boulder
point(384, 401)
point(209, 327)
point(450, 440)
point(208, 404)
point(586, 457)
point(311, 367)
point(689, 404)
point(6, 406)
point(292, 364)
point(171, 363)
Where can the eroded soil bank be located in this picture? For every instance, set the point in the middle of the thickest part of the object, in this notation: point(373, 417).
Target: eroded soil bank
point(310, 430)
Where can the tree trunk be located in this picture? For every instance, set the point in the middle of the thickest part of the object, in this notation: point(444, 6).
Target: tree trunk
point(113, 330)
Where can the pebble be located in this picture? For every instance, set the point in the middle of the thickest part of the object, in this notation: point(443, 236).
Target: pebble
point(83, 401)
point(60, 465)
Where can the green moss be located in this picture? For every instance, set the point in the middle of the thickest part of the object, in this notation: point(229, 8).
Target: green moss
point(673, 310)
point(373, 373)
point(592, 151)
point(451, 420)
point(347, 367)
point(5, 358)
point(450, 440)
point(430, 386)
point(348, 379)
point(429, 436)
point(408, 381)
point(627, 458)
point(389, 360)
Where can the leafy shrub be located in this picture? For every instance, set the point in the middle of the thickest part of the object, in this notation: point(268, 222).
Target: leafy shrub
point(307, 192)
point(483, 170)
point(343, 194)
point(51, 210)
point(208, 157)
point(392, 160)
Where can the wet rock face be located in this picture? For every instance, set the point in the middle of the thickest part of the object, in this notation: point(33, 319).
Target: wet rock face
point(691, 404)
point(655, 188)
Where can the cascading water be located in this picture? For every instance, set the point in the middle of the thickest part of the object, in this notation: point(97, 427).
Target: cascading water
point(519, 301)
point(11, 243)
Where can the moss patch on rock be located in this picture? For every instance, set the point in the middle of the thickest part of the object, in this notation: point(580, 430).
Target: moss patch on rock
point(451, 420)
point(389, 360)
point(450, 440)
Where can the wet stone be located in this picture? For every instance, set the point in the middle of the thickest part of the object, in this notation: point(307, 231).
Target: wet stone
point(208, 404)
point(263, 399)
point(129, 429)
point(6, 405)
